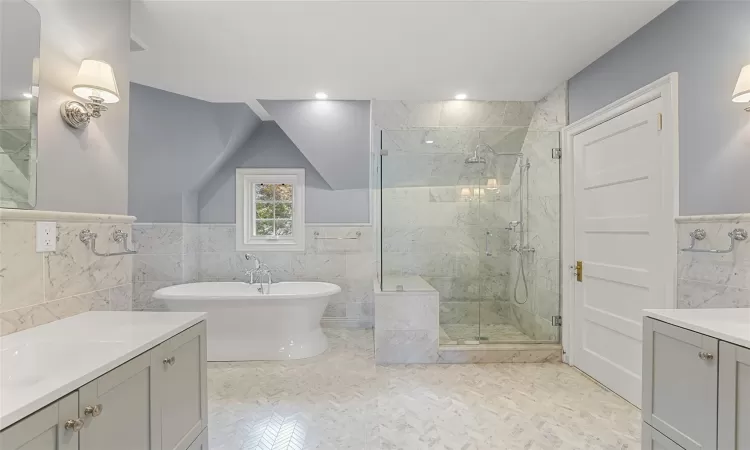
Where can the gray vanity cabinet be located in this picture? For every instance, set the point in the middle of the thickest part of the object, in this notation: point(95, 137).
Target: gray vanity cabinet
point(180, 398)
point(201, 443)
point(45, 429)
point(653, 440)
point(734, 397)
point(155, 401)
point(116, 408)
point(680, 375)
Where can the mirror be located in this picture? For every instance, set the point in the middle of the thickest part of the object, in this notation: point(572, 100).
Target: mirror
point(20, 27)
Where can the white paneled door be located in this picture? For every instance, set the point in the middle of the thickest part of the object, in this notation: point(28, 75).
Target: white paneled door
point(623, 212)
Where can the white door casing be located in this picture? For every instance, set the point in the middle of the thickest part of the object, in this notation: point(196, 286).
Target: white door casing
point(620, 191)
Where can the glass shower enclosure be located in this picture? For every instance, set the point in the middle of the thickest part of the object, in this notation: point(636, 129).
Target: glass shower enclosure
point(473, 213)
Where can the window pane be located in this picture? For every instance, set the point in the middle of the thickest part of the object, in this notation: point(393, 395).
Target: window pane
point(264, 228)
point(283, 227)
point(284, 192)
point(264, 211)
point(283, 210)
point(264, 192)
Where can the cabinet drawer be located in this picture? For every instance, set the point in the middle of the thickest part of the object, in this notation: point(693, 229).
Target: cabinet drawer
point(653, 440)
point(680, 376)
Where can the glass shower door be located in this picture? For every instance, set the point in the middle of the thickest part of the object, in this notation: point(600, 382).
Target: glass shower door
point(521, 298)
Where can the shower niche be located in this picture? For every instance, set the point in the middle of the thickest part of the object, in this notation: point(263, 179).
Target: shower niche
point(469, 207)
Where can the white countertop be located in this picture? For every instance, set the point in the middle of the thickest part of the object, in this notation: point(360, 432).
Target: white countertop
point(726, 324)
point(43, 364)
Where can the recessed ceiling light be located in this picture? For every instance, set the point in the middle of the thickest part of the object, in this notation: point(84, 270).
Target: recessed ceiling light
point(321, 95)
point(27, 94)
point(429, 142)
point(460, 97)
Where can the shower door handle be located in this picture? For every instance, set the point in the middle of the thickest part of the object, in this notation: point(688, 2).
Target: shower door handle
point(487, 235)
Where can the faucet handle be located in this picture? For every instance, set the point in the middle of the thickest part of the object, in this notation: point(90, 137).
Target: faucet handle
point(254, 259)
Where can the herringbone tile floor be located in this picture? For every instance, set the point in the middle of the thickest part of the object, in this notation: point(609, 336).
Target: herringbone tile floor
point(341, 400)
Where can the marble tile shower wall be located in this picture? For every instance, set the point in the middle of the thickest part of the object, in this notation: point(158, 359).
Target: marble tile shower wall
point(706, 280)
point(178, 253)
point(38, 288)
point(531, 309)
point(436, 209)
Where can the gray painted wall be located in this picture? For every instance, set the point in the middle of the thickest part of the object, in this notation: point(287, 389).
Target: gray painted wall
point(177, 144)
point(707, 43)
point(333, 135)
point(270, 147)
point(82, 171)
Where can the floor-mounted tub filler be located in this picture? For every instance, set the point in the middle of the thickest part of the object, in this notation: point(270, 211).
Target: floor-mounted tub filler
point(246, 323)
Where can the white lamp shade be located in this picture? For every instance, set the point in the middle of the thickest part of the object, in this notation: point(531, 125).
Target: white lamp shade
point(96, 79)
point(742, 90)
point(492, 183)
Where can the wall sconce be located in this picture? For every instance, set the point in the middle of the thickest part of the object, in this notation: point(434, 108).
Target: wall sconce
point(742, 90)
point(492, 184)
point(95, 82)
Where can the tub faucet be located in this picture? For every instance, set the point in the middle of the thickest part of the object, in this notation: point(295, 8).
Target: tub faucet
point(267, 273)
point(256, 263)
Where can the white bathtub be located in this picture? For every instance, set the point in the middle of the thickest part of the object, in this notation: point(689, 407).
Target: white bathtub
point(245, 325)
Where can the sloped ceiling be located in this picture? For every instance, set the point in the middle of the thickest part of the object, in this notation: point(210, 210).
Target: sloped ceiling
point(333, 135)
point(236, 51)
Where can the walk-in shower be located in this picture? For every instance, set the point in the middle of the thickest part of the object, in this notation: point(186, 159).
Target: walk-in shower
point(472, 212)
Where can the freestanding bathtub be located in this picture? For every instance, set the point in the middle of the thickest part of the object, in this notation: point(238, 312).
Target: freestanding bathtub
point(245, 325)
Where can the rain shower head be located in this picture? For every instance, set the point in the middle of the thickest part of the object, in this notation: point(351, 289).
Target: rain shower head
point(475, 158)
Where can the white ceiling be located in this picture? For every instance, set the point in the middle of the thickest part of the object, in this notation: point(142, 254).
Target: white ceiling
point(237, 51)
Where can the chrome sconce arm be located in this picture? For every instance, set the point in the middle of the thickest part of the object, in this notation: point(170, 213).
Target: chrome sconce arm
point(88, 237)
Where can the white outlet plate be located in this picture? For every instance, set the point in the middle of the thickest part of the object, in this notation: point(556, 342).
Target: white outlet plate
point(46, 237)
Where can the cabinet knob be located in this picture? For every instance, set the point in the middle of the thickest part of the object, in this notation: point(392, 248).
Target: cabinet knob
point(168, 361)
point(92, 411)
point(74, 425)
point(706, 356)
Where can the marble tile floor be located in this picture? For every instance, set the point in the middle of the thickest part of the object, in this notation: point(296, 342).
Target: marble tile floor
point(341, 400)
point(460, 333)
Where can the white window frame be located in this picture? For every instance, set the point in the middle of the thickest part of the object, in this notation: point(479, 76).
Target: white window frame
point(245, 210)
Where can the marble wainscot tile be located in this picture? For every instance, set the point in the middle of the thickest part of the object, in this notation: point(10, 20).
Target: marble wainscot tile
point(472, 114)
point(158, 238)
point(519, 113)
point(319, 266)
point(697, 294)
point(121, 298)
point(158, 268)
point(406, 346)
point(430, 140)
point(217, 238)
point(360, 266)
point(406, 312)
point(21, 268)
point(390, 114)
point(42, 313)
point(551, 112)
point(74, 269)
point(143, 292)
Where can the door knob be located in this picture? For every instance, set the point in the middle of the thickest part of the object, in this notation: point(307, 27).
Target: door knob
point(74, 424)
point(92, 411)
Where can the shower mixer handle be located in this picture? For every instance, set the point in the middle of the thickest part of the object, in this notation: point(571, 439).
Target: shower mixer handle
point(512, 225)
point(487, 236)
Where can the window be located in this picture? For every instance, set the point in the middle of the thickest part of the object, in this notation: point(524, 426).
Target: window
point(270, 209)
